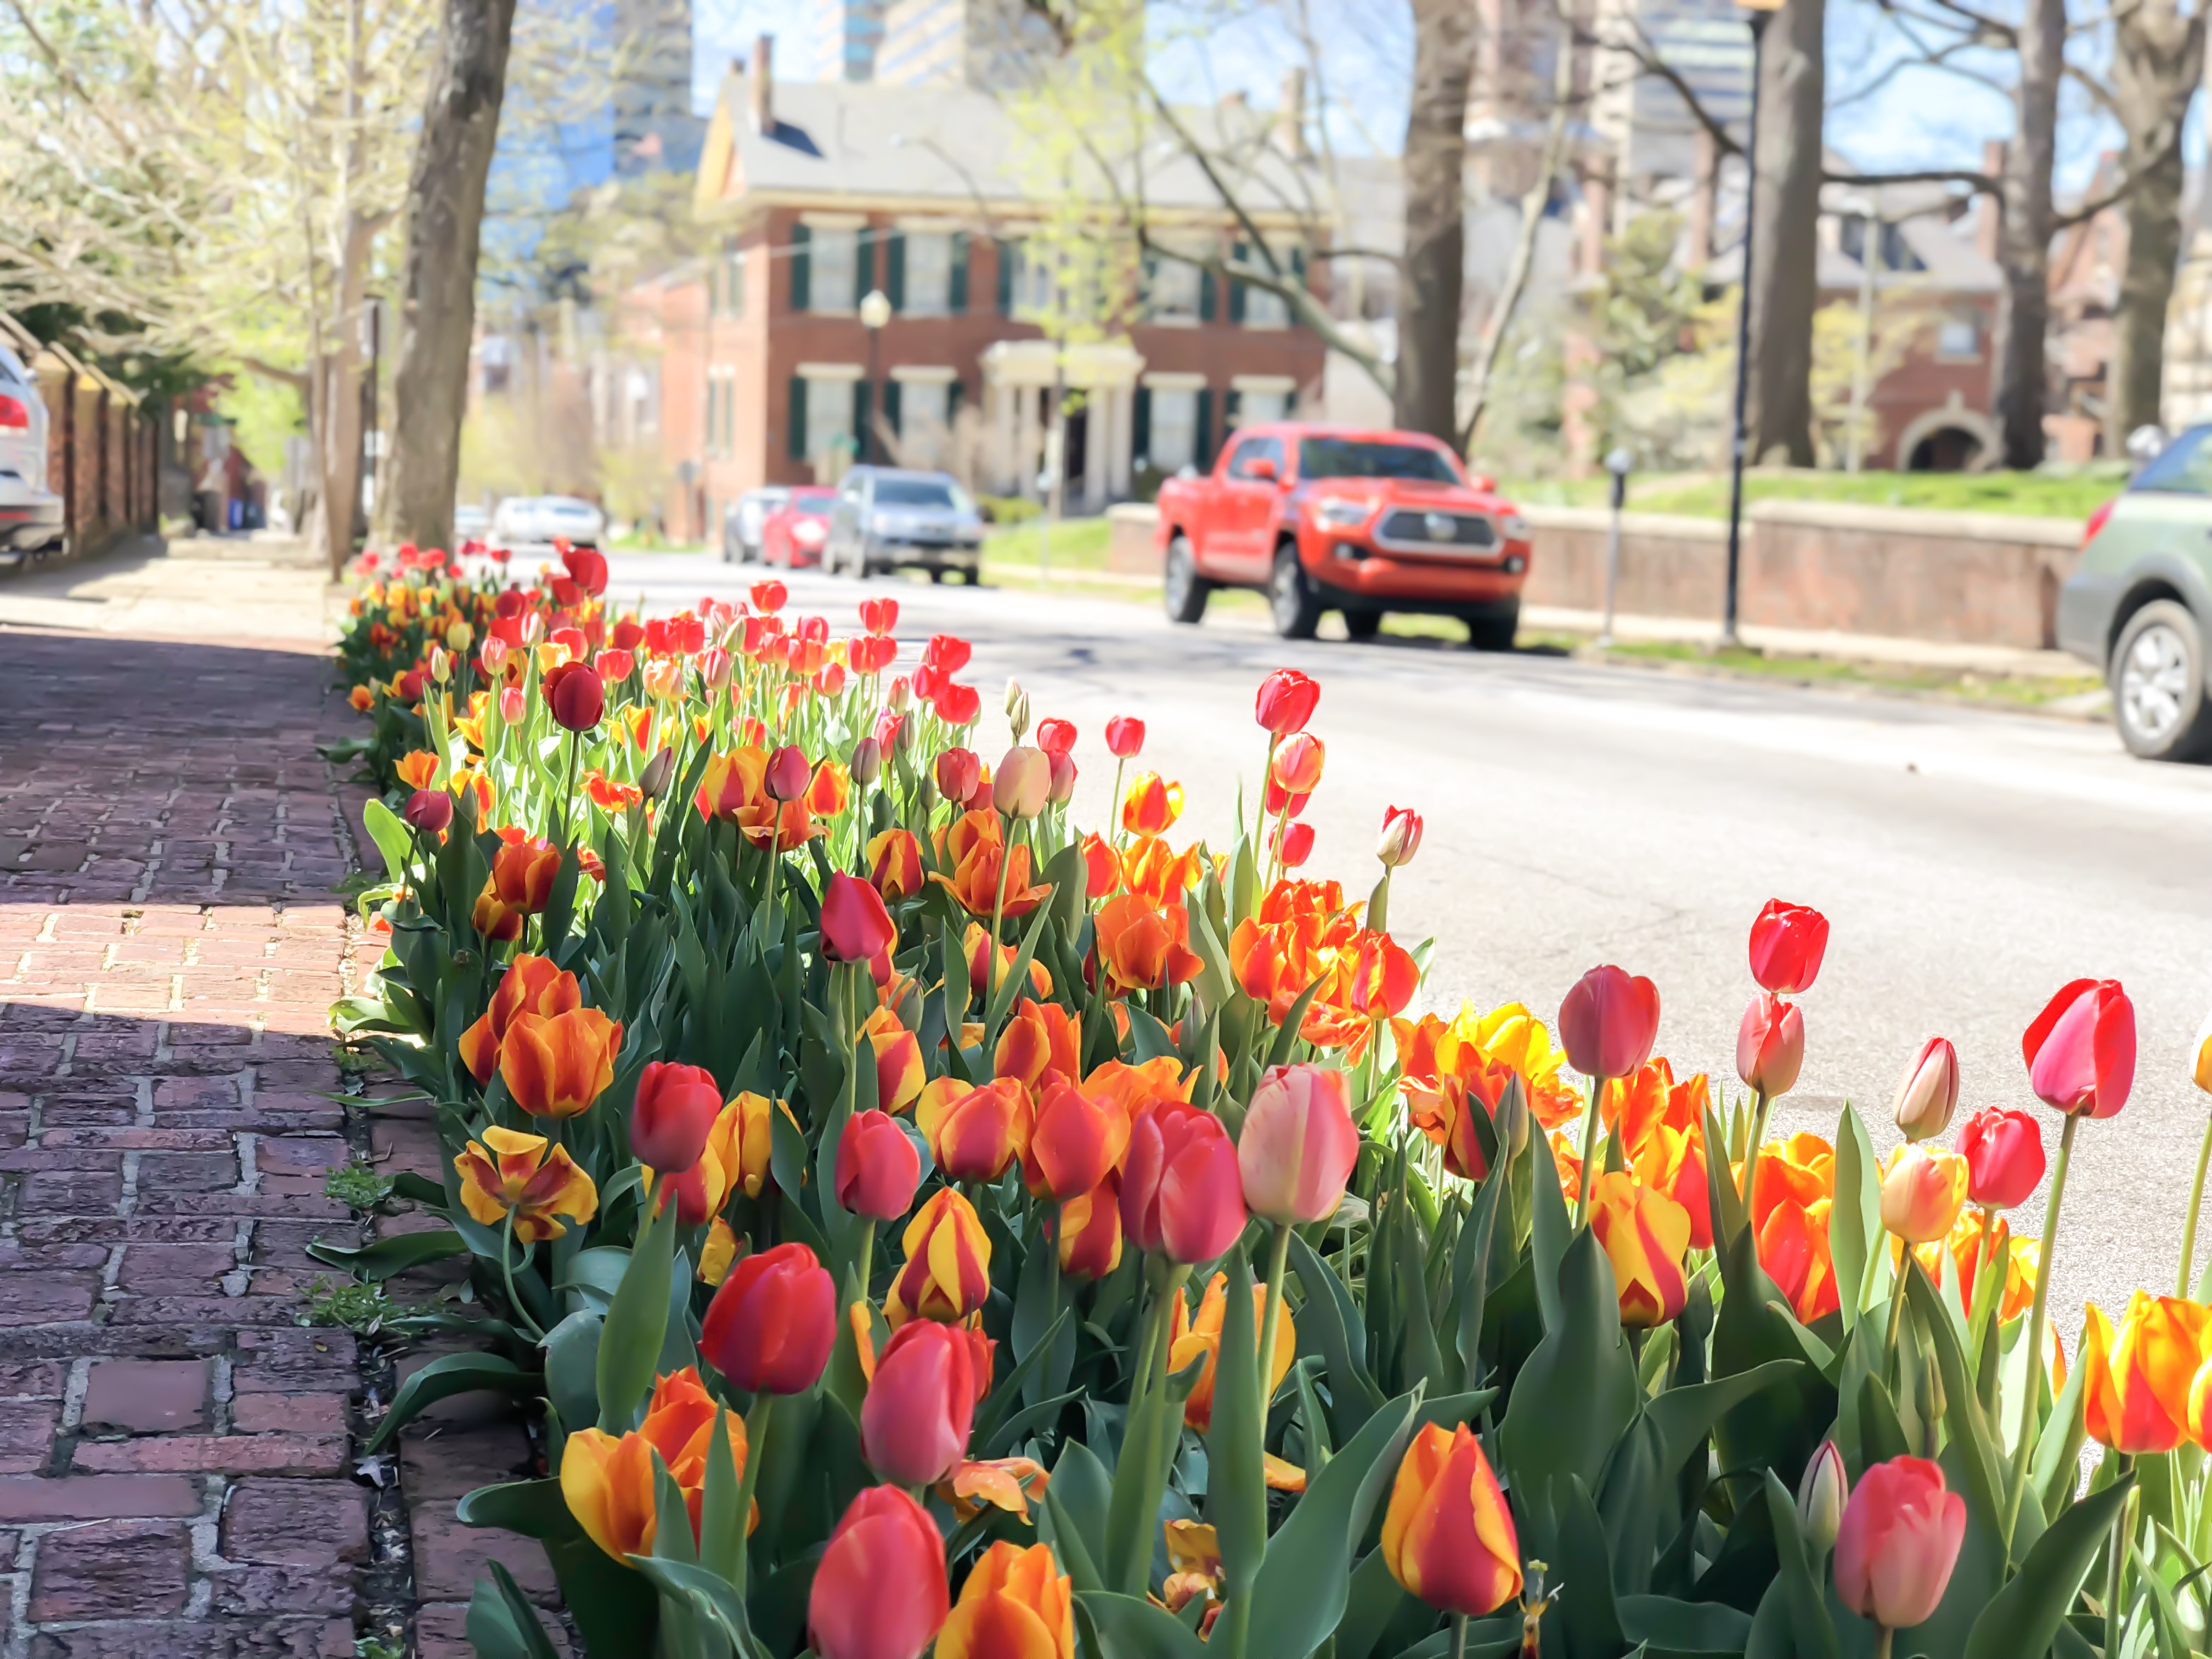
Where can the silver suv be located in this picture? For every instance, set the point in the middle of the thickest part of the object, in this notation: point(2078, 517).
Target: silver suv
point(32, 520)
point(888, 519)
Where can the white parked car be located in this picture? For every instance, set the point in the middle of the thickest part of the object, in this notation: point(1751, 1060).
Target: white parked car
point(530, 524)
point(743, 521)
point(32, 519)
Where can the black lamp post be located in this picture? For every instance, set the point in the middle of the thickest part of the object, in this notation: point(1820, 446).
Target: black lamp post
point(875, 312)
point(1757, 12)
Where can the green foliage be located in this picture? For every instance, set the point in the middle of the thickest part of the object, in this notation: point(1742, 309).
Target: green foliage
point(361, 1309)
point(358, 1185)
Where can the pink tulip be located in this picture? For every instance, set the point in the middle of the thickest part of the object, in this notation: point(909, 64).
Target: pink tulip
point(2081, 1052)
point(2004, 1151)
point(1298, 1144)
point(1927, 1093)
point(1608, 1022)
point(1898, 1543)
point(1182, 1196)
point(920, 1404)
point(1769, 1045)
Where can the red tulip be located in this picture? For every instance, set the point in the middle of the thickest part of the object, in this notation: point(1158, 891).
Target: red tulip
point(1055, 737)
point(1608, 1022)
point(771, 1325)
point(959, 705)
point(1769, 1045)
point(1124, 736)
point(880, 1590)
point(1400, 838)
point(914, 1421)
point(2081, 1052)
point(878, 1168)
point(879, 616)
point(2004, 1151)
point(948, 653)
point(614, 665)
point(1063, 781)
point(1298, 1144)
point(587, 569)
point(768, 598)
point(1286, 701)
point(1787, 944)
point(855, 927)
point(1898, 1543)
point(429, 811)
point(787, 773)
point(1294, 846)
point(958, 771)
point(1181, 1195)
point(675, 1107)
point(576, 694)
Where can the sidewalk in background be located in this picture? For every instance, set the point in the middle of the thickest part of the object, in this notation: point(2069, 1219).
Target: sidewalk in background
point(265, 587)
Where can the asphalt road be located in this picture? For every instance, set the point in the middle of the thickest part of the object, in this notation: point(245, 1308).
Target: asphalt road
point(1970, 861)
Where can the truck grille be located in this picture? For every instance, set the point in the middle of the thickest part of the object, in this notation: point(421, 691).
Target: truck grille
point(1412, 529)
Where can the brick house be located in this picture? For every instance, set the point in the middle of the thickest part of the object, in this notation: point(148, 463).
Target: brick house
point(822, 193)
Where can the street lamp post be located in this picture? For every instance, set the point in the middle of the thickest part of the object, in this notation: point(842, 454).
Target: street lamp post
point(1756, 13)
point(1617, 463)
point(875, 312)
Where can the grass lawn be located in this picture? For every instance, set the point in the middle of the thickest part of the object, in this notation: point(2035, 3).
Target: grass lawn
point(1966, 685)
point(2071, 494)
point(1077, 544)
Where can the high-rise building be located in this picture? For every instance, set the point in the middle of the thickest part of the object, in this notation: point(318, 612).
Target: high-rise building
point(654, 126)
point(846, 35)
point(1642, 118)
point(989, 46)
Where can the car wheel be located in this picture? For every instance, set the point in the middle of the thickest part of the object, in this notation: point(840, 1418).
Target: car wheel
point(1183, 589)
point(2158, 684)
point(1290, 597)
point(1493, 633)
point(1363, 624)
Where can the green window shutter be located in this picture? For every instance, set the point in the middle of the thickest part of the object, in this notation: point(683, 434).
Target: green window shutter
point(1298, 270)
point(1202, 442)
point(863, 264)
point(860, 449)
point(1231, 406)
point(1236, 292)
point(1140, 441)
point(796, 445)
point(895, 271)
point(1206, 297)
point(891, 408)
point(957, 295)
point(955, 393)
point(1150, 280)
point(1010, 253)
point(801, 298)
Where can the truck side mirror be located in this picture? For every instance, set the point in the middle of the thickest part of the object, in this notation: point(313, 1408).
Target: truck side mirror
point(1260, 467)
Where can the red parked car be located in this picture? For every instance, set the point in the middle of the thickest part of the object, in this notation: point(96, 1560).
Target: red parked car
point(1329, 518)
point(793, 535)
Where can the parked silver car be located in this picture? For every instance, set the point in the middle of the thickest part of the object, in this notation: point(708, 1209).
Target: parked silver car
point(888, 519)
point(742, 521)
point(530, 524)
point(31, 517)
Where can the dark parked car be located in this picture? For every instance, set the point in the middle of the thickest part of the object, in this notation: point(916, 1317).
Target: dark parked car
point(888, 519)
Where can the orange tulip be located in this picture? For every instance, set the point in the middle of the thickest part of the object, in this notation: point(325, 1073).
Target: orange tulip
point(1041, 1037)
point(1143, 946)
point(608, 1482)
point(1152, 806)
point(1011, 1484)
point(831, 789)
point(1429, 1049)
point(361, 698)
point(947, 1274)
point(1077, 1141)
point(1800, 1170)
point(557, 1066)
point(1792, 1250)
point(895, 864)
point(1644, 1234)
point(532, 985)
point(1135, 1088)
point(510, 1173)
point(1962, 1253)
point(899, 1073)
point(1673, 1161)
point(734, 788)
point(523, 871)
point(1089, 1232)
point(1154, 870)
point(1445, 1114)
point(417, 769)
point(973, 850)
point(975, 1135)
point(1189, 1338)
point(976, 943)
point(1016, 1604)
point(1447, 1536)
point(2137, 1390)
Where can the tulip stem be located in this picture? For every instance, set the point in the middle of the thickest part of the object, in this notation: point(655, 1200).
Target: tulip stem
point(1761, 1104)
point(1458, 1636)
point(2030, 1398)
point(2117, 1553)
point(1883, 1637)
point(506, 1271)
point(1896, 1314)
point(1589, 1150)
point(2185, 1278)
point(748, 1479)
point(1278, 1257)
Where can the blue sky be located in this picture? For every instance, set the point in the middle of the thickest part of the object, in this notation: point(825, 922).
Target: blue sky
point(1205, 48)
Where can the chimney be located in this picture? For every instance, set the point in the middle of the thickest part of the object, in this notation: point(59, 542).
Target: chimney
point(762, 87)
point(1989, 222)
point(1704, 189)
point(1291, 117)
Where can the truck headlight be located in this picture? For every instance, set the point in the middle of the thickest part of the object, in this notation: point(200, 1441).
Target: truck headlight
point(1513, 528)
point(1339, 513)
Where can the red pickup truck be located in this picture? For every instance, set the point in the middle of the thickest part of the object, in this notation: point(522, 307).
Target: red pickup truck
point(1330, 518)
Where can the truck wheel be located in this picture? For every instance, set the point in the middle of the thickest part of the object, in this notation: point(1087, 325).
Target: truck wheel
point(1363, 624)
point(1493, 633)
point(1186, 592)
point(1290, 597)
point(2157, 678)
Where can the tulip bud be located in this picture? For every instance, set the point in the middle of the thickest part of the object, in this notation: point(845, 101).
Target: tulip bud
point(868, 762)
point(714, 668)
point(855, 927)
point(675, 1107)
point(1928, 1093)
point(1298, 764)
point(1063, 781)
point(878, 1168)
point(1400, 838)
point(1125, 737)
point(495, 655)
point(1820, 1498)
point(958, 771)
point(533, 629)
point(653, 781)
point(1056, 737)
point(1898, 1541)
point(1294, 843)
point(787, 773)
point(1608, 1022)
point(458, 637)
point(441, 665)
point(1921, 1193)
point(920, 1403)
point(1286, 701)
point(1299, 1144)
point(429, 811)
point(900, 694)
point(1769, 1045)
point(1447, 1536)
point(1017, 709)
point(1787, 944)
point(576, 694)
point(1510, 1120)
point(1023, 782)
point(927, 795)
point(2004, 1151)
point(2200, 1069)
point(1198, 1213)
point(880, 1591)
point(771, 1325)
point(512, 708)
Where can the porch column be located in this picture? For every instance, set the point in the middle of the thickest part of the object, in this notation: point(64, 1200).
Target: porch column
point(1096, 430)
point(1025, 445)
point(1002, 436)
point(1123, 439)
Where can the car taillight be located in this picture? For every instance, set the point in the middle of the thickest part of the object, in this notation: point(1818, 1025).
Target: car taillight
point(2097, 521)
point(15, 414)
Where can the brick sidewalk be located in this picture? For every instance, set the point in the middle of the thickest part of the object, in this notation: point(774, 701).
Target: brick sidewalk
point(179, 1470)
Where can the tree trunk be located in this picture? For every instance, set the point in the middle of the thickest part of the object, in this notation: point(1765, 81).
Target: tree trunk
point(1432, 286)
point(1785, 252)
point(2158, 58)
point(2024, 240)
point(437, 316)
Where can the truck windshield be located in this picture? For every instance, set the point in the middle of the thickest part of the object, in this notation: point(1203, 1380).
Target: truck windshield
point(1349, 458)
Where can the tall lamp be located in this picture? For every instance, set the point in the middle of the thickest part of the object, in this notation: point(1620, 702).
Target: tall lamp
point(1756, 13)
point(875, 312)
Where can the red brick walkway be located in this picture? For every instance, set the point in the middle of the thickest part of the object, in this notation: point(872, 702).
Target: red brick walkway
point(179, 1470)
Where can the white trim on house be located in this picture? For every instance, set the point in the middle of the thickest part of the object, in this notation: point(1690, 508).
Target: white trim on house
point(829, 371)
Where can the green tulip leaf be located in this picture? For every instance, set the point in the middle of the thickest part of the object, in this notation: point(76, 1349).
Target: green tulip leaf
point(395, 1254)
point(572, 1367)
point(1685, 1417)
point(1374, 1599)
point(2024, 1617)
point(708, 1594)
point(1329, 1324)
point(444, 1378)
point(1076, 1501)
point(1799, 1581)
point(1236, 1442)
point(1577, 1392)
point(637, 1321)
point(1550, 1228)
point(1130, 1627)
point(502, 1623)
point(1586, 1614)
point(1855, 1233)
point(1971, 1433)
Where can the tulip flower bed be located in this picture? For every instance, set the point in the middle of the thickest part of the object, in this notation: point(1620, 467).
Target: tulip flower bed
point(919, 1219)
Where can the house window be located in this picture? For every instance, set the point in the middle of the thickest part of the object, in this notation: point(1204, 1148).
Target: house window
point(1174, 429)
point(829, 418)
point(1959, 339)
point(1033, 282)
point(833, 258)
point(1175, 291)
point(924, 404)
point(1253, 408)
point(732, 294)
point(1265, 310)
point(928, 274)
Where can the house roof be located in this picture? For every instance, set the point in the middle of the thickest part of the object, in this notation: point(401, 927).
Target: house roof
point(864, 145)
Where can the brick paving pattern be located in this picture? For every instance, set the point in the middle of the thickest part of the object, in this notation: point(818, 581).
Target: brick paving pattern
point(179, 1471)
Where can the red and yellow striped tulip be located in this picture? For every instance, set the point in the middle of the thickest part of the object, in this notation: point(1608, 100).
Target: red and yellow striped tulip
point(1143, 945)
point(1016, 1604)
point(558, 1067)
point(608, 1481)
point(894, 860)
point(1644, 1234)
point(532, 985)
point(1041, 1037)
point(1152, 806)
point(947, 1273)
point(510, 1173)
point(1447, 1537)
point(976, 1134)
point(1078, 1140)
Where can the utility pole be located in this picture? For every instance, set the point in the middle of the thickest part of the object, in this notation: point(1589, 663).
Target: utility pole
point(1757, 14)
